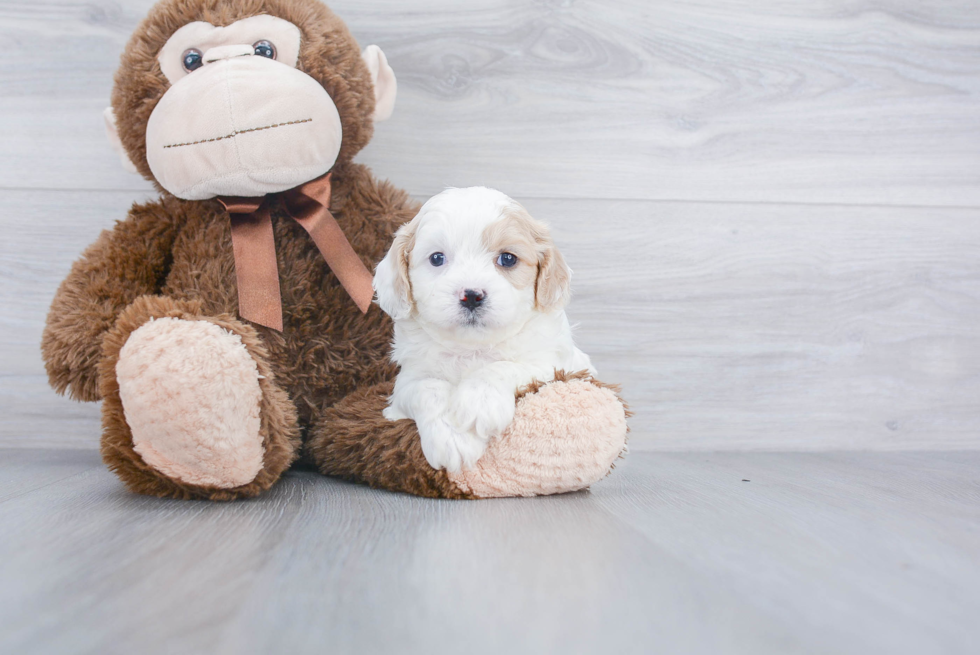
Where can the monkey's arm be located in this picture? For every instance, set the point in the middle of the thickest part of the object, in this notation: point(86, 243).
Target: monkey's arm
point(126, 262)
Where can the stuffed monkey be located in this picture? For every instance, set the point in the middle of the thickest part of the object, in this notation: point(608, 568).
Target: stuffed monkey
point(226, 326)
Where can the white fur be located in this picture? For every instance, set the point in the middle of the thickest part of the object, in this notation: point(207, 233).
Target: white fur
point(459, 374)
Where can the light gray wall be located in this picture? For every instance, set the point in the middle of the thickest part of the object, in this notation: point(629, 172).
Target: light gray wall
point(772, 207)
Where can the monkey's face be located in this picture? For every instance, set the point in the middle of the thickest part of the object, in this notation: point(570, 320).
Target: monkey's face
point(239, 117)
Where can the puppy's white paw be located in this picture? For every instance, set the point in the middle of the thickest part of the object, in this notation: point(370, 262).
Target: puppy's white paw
point(445, 447)
point(471, 448)
point(482, 408)
point(439, 444)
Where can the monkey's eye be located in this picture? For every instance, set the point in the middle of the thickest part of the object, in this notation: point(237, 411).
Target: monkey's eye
point(506, 259)
point(437, 259)
point(192, 59)
point(265, 49)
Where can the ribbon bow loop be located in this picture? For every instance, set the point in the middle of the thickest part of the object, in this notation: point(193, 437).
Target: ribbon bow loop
point(256, 268)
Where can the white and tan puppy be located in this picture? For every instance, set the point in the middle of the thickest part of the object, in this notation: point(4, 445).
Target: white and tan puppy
point(477, 292)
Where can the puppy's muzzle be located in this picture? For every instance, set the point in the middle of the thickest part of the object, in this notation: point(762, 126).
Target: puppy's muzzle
point(472, 299)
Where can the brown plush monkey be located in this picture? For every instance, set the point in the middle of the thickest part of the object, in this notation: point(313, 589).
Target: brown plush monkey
point(222, 325)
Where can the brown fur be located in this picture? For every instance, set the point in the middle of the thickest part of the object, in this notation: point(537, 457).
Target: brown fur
point(328, 54)
point(127, 262)
point(327, 373)
point(182, 251)
point(278, 425)
point(355, 442)
point(174, 258)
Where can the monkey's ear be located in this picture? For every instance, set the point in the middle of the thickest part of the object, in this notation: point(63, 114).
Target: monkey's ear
point(113, 134)
point(383, 78)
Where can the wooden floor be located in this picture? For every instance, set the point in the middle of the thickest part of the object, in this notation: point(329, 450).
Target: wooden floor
point(773, 213)
point(674, 553)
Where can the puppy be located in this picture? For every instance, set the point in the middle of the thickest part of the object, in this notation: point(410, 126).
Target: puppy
point(477, 291)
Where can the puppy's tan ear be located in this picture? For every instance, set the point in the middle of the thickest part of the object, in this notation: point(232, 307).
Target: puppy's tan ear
point(391, 281)
point(552, 288)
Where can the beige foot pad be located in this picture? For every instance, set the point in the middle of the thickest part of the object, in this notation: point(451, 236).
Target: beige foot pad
point(190, 394)
point(564, 437)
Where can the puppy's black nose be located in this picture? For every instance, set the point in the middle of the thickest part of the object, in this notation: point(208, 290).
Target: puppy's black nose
point(471, 299)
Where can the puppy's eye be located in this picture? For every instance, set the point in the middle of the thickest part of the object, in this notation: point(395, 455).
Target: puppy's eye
point(437, 259)
point(265, 49)
point(506, 259)
point(192, 59)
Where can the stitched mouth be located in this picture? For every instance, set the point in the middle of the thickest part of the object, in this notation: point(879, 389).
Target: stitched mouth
point(237, 132)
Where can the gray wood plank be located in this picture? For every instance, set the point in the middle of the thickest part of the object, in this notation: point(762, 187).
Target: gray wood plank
point(731, 326)
point(23, 471)
point(557, 575)
point(831, 101)
point(774, 327)
point(90, 568)
point(838, 546)
point(33, 416)
point(818, 553)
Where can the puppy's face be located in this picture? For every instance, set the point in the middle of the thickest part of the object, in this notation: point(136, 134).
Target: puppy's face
point(472, 266)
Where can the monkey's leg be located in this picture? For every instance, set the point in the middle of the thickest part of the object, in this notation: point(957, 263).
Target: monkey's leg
point(565, 436)
point(352, 440)
point(191, 408)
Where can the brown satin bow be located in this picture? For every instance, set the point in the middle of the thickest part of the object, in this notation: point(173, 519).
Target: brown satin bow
point(252, 238)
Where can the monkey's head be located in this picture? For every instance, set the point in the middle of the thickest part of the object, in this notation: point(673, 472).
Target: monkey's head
point(244, 98)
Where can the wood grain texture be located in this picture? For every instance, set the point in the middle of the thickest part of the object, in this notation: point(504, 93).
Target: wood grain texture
point(854, 101)
point(781, 327)
point(847, 553)
point(730, 326)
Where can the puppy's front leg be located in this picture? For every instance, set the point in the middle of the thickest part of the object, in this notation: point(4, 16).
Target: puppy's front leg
point(426, 400)
point(484, 401)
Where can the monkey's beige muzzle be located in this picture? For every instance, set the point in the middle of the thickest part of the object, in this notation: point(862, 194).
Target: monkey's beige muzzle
point(242, 126)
